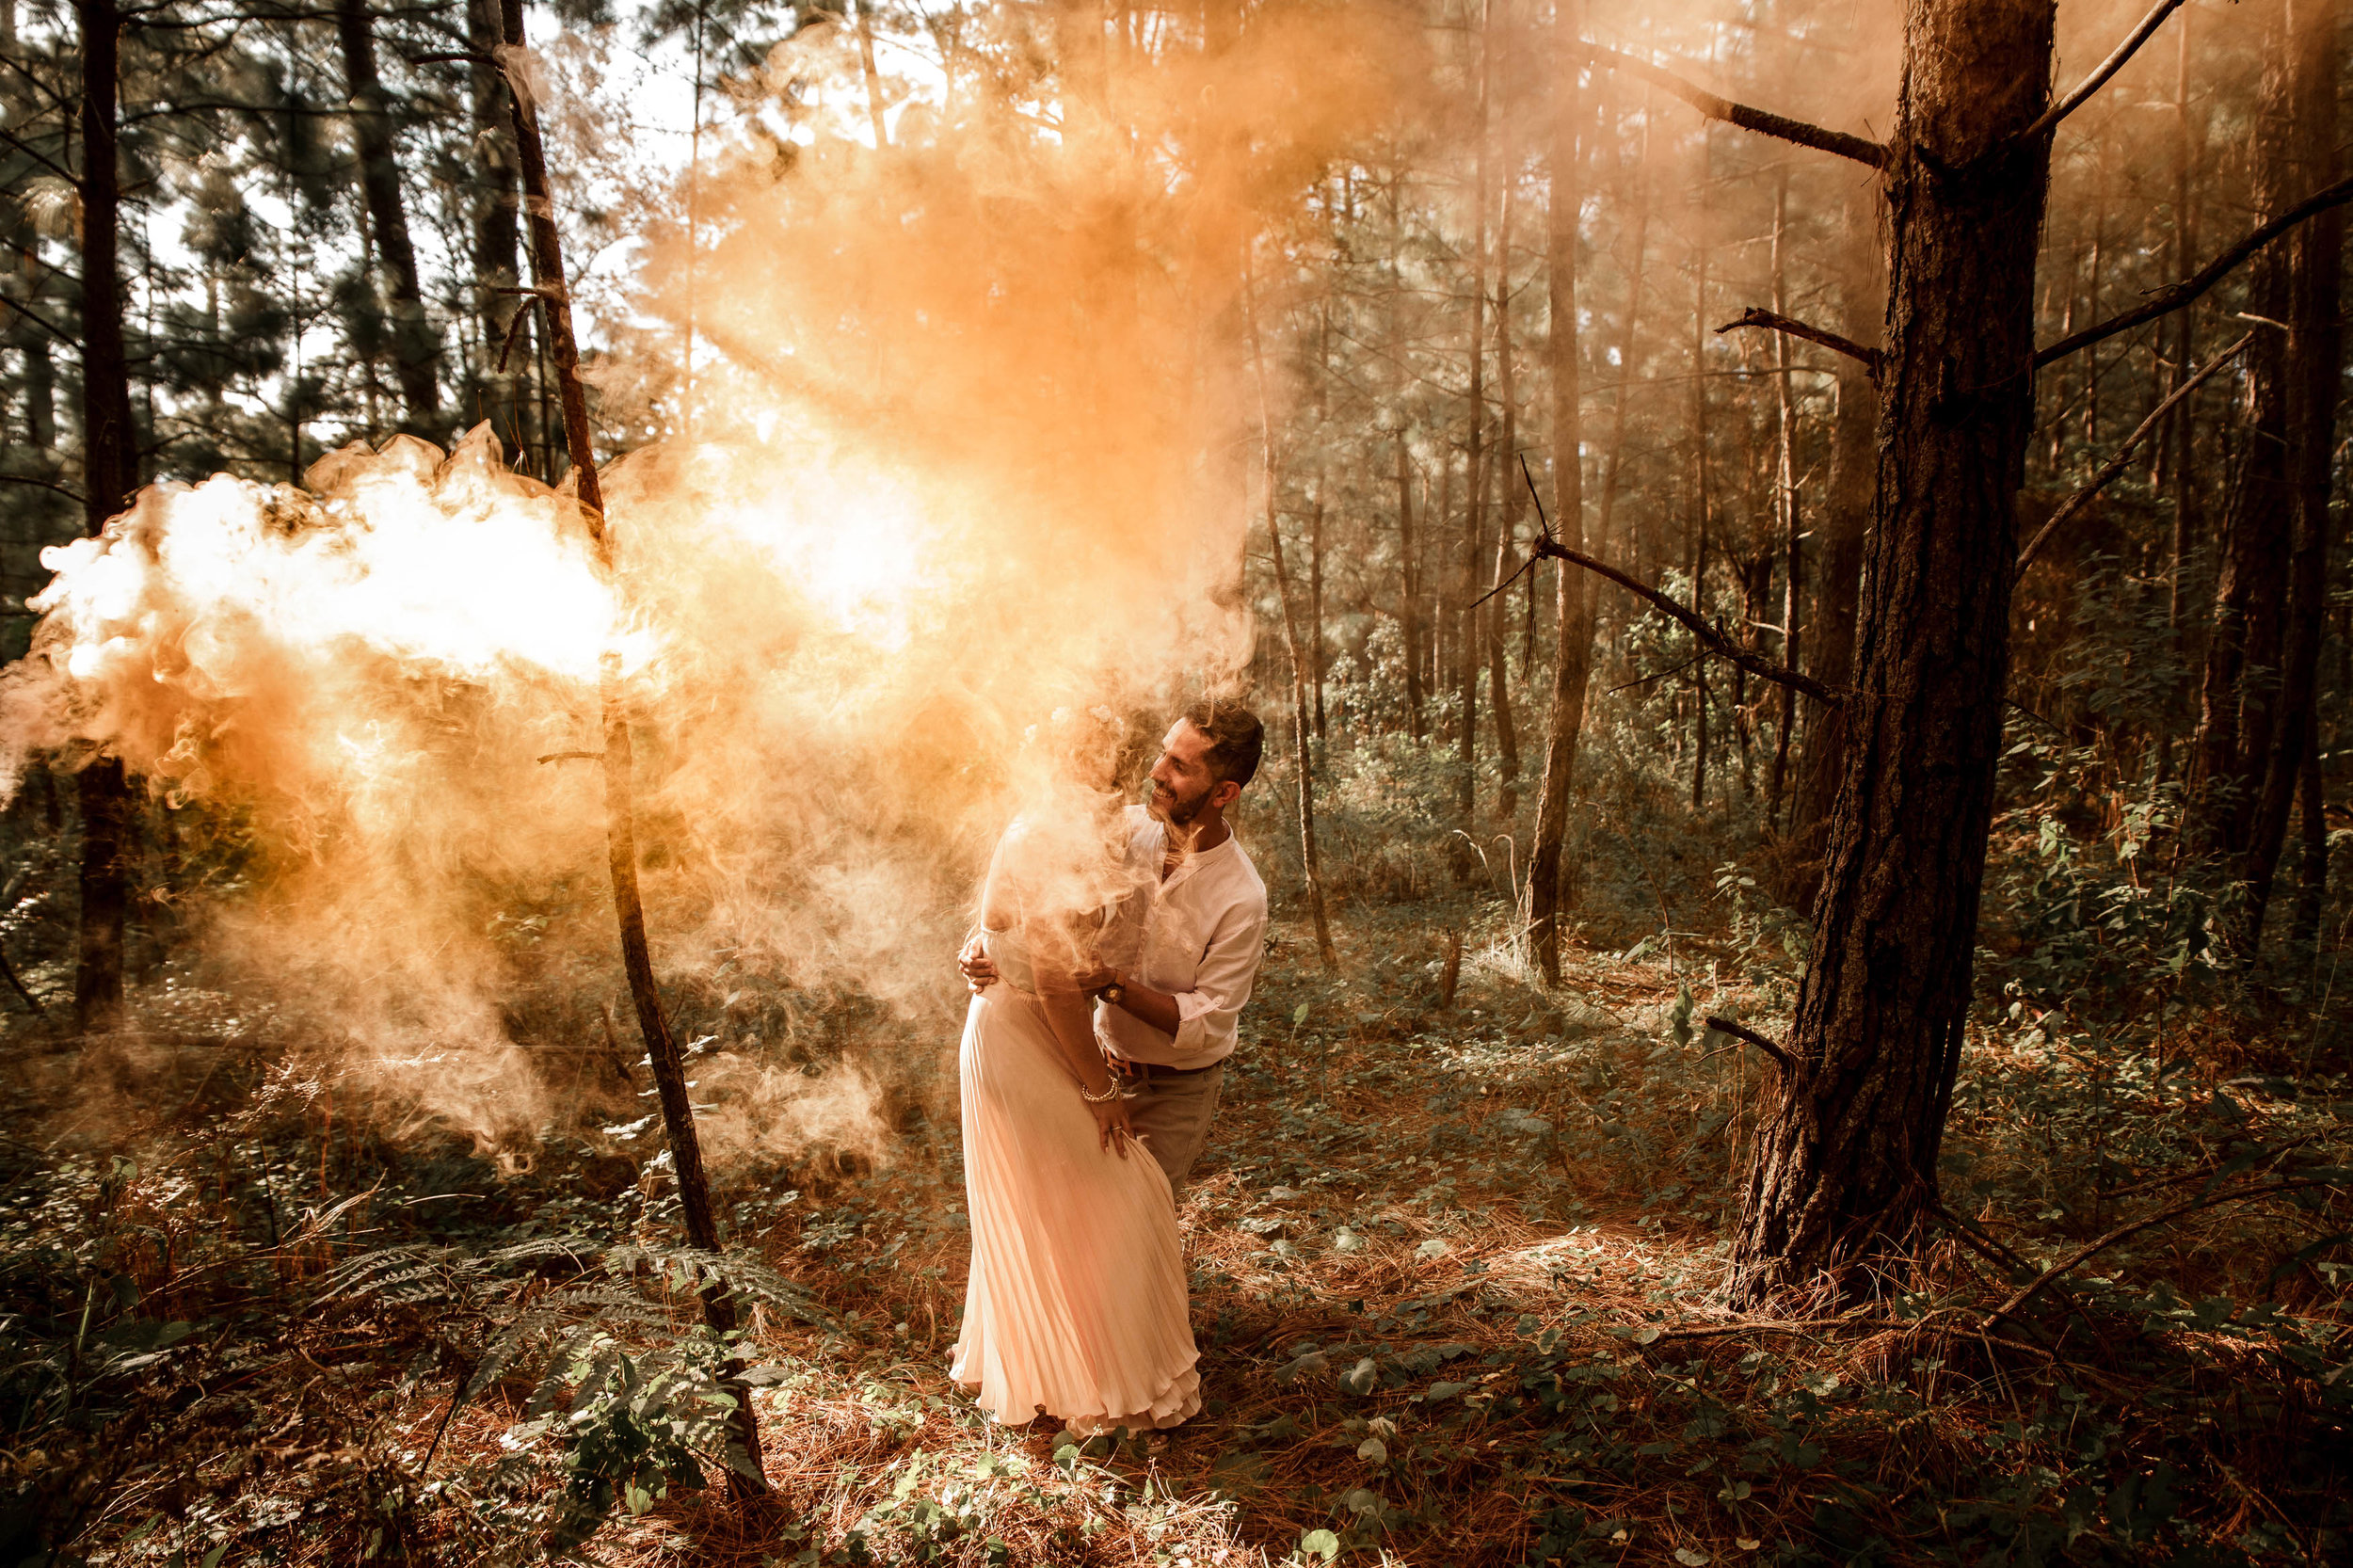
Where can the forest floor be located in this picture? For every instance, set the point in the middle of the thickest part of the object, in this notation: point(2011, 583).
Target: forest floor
point(1454, 1278)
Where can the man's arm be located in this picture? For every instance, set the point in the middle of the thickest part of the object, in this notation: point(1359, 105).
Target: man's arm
point(1207, 1017)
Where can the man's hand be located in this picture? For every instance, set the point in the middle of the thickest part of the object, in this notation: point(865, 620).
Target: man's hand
point(979, 973)
point(1091, 981)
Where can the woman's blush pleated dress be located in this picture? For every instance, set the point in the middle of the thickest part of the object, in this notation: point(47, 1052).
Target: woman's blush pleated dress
point(1075, 1305)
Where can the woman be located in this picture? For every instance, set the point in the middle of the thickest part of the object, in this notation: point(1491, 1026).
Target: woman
point(1075, 1304)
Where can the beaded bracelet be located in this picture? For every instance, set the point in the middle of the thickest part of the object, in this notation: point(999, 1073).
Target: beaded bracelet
point(1107, 1096)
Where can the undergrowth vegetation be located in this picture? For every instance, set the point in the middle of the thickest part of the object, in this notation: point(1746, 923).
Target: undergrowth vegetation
point(1453, 1276)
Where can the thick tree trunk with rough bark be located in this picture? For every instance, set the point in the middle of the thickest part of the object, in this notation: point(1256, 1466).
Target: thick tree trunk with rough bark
point(416, 347)
point(1573, 636)
point(1847, 1159)
point(110, 473)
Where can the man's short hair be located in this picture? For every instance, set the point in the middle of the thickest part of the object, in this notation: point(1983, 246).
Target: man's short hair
point(1237, 739)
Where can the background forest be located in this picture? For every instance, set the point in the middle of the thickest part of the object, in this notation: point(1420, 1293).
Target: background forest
point(1791, 555)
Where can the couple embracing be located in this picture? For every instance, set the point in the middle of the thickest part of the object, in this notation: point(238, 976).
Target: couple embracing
point(1117, 945)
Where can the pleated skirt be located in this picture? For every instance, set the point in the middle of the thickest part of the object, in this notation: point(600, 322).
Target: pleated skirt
point(1075, 1302)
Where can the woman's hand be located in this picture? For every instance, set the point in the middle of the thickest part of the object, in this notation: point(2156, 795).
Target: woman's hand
point(1112, 1124)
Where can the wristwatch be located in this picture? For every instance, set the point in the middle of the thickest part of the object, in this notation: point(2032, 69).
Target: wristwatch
point(1115, 993)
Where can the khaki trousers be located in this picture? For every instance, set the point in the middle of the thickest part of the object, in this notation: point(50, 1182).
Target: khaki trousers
point(1173, 1111)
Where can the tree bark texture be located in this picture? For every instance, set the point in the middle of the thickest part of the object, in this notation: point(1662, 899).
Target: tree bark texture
point(416, 346)
point(109, 473)
point(1573, 619)
point(1847, 1158)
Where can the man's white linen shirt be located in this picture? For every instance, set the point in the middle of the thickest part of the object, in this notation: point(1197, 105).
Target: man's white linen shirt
point(1203, 934)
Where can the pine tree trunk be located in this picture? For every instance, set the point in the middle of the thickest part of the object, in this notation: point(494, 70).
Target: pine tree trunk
point(1846, 521)
point(2263, 651)
point(2314, 371)
point(1700, 503)
point(2183, 426)
point(1785, 509)
point(1310, 859)
point(620, 763)
point(1573, 618)
point(1847, 1158)
point(416, 347)
point(1409, 607)
point(496, 244)
point(1316, 666)
point(1472, 645)
point(1504, 478)
point(109, 473)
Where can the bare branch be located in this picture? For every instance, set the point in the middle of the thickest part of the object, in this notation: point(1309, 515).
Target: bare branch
point(37, 319)
point(2100, 73)
point(2080, 1255)
point(1780, 1053)
point(2174, 295)
point(74, 496)
point(1772, 321)
point(1862, 149)
point(1764, 669)
point(2122, 458)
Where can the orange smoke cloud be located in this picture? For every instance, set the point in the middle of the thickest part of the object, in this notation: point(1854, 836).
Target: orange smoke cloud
point(973, 454)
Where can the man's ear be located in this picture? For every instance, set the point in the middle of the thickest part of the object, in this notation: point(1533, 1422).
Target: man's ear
point(1224, 793)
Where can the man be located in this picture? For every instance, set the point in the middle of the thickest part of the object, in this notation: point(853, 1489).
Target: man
point(1169, 1023)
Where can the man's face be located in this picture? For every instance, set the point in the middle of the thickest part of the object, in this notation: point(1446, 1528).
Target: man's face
point(1182, 784)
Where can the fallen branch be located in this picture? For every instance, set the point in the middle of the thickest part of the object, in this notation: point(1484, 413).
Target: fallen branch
point(2174, 295)
point(1862, 149)
point(573, 757)
point(2050, 118)
point(1788, 1064)
point(2089, 1249)
point(1774, 321)
point(2123, 457)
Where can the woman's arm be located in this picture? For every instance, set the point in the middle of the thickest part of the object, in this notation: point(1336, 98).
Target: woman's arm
point(1069, 1015)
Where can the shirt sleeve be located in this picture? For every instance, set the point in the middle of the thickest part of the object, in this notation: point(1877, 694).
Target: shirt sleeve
point(1207, 1015)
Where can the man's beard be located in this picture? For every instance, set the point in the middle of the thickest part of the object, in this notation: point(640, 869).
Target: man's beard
point(1175, 811)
